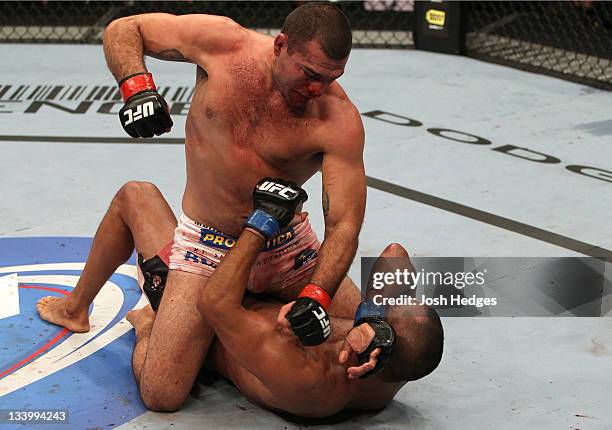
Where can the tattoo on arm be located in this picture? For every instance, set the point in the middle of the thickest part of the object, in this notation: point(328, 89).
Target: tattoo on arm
point(325, 201)
point(168, 54)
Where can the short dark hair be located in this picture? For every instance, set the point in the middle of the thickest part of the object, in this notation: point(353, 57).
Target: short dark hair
point(322, 22)
point(419, 342)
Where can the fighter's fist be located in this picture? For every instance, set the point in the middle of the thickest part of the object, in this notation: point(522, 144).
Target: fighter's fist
point(274, 202)
point(145, 112)
point(307, 316)
point(309, 321)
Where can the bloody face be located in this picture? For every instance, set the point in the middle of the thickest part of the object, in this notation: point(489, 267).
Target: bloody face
point(305, 72)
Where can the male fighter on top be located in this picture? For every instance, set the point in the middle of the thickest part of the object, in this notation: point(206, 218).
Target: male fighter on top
point(396, 343)
point(262, 107)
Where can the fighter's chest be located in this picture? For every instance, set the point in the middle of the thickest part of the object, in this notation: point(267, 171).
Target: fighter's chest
point(249, 113)
point(248, 125)
point(275, 157)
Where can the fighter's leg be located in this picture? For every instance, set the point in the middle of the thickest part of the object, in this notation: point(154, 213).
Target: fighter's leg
point(142, 321)
point(170, 351)
point(139, 217)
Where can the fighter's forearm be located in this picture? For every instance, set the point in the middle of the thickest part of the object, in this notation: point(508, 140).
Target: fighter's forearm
point(225, 288)
point(335, 256)
point(123, 48)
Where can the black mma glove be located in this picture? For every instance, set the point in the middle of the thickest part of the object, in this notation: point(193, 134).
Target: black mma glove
point(155, 273)
point(275, 202)
point(384, 338)
point(308, 316)
point(145, 112)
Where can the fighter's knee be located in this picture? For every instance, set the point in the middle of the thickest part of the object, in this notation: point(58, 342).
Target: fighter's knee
point(136, 190)
point(394, 250)
point(134, 193)
point(160, 399)
point(157, 404)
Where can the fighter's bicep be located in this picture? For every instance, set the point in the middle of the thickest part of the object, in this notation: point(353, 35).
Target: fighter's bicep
point(192, 38)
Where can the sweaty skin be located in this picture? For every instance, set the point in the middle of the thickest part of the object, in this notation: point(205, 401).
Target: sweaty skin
point(256, 111)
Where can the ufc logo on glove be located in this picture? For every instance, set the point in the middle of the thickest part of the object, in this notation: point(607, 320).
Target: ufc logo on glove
point(273, 187)
point(142, 111)
point(324, 321)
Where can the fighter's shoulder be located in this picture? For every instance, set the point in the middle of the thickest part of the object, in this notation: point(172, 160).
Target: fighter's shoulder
point(343, 116)
point(214, 33)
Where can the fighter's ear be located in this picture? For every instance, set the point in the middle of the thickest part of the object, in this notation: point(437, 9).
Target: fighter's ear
point(280, 42)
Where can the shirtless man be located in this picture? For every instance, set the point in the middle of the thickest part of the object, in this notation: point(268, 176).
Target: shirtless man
point(278, 373)
point(269, 367)
point(261, 107)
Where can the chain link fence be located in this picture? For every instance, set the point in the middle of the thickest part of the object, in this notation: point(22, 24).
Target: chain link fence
point(379, 23)
point(568, 39)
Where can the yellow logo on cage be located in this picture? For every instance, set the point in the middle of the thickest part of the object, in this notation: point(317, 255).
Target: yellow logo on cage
point(435, 17)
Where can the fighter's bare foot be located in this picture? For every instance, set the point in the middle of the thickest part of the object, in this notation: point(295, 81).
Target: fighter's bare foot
point(53, 309)
point(141, 318)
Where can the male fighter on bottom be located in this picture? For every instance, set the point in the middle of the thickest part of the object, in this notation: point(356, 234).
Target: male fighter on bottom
point(140, 217)
point(167, 364)
point(276, 371)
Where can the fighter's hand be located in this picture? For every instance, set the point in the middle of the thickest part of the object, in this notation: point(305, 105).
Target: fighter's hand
point(275, 202)
point(309, 321)
point(145, 112)
point(282, 323)
point(356, 341)
point(307, 316)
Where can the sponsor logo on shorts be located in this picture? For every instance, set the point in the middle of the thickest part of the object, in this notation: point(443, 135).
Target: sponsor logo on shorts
point(280, 239)
point(216, 239)
point(195, 258)
point(304, 257)
point(268, 258)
